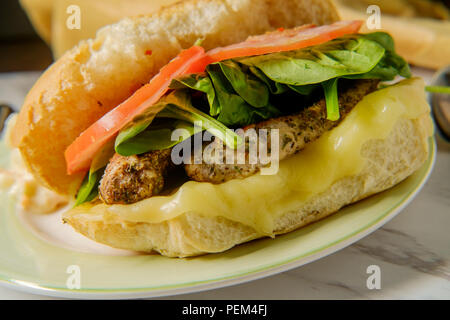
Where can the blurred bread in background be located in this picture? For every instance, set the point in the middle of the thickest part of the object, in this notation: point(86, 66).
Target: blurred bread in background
point(405, 8)
point(49, 18)
point(421, 28)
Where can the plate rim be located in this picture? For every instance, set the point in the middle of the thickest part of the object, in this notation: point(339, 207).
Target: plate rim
point(234, 279)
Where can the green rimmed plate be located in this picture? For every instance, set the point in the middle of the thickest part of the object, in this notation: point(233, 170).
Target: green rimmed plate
point(31, 264)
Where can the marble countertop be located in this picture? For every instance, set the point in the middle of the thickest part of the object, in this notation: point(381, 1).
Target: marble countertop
point(412, 250)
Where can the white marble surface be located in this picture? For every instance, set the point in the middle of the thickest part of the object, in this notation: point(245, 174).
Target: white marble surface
point(412, 250)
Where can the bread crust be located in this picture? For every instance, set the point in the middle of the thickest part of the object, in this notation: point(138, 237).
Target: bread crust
point(99, 73)
point(389, 161)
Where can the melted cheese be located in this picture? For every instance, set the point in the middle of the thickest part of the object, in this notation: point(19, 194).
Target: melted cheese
point(258, 200)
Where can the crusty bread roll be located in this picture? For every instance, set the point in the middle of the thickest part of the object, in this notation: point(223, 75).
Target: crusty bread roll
point(423, 42)
point(98, 74)
point(389, 161)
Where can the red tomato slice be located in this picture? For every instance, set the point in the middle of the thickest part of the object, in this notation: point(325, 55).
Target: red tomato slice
point(80, 153)
point(285, 40)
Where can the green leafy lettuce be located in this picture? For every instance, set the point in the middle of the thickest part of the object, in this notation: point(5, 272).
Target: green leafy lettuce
point(88, 190)
point(139, 137)
point(243, 91)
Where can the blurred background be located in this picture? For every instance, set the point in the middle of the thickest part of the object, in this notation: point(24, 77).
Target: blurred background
point(20, 46)
point(34, 32)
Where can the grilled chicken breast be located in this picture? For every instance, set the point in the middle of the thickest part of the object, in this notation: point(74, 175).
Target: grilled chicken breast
point(295, 132)
point(133, 178)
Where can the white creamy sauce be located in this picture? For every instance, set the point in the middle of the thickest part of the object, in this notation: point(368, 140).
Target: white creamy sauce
point(40, 209)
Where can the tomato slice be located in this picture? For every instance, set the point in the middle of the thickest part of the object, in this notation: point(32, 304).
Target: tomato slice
point(285, 40)
point(80, 153)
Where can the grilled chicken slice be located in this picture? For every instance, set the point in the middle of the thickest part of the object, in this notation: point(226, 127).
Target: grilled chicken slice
point(295, 132)
point(133, 178)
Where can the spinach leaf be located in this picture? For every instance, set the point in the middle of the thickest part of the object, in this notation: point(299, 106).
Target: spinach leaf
point(331, 99)
point(235, 111)
point(274, 87)
point(142, 121)
point(390, 65)
point(246, 85)
point(339, 57)
point(199, 82)
point(89, 187)
point(140, 136)
point(156, 137)
point(182, 109)
point(382, 38)
point(305, 90)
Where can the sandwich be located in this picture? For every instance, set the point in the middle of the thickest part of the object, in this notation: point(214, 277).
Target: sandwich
point(215, 122)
